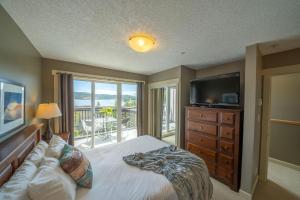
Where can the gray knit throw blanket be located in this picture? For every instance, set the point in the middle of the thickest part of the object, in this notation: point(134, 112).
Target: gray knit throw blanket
point(187, 172)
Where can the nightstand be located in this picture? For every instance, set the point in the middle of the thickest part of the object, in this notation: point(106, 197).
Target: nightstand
point(64, 136)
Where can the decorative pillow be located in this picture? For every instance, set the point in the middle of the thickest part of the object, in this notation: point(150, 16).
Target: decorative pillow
point(75, 163)
point(37, 154)
point(56, 144)
point(16, 187)
point(51, 183)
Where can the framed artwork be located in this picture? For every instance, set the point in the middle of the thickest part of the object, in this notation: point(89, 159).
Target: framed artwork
point(12, 107)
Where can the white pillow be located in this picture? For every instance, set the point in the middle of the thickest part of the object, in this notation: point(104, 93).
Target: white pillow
point(38, 152)
point(16, 187)
point(51, 182)
point(55, 147)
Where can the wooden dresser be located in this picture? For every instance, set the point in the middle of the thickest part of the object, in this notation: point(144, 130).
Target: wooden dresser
point(214, 135)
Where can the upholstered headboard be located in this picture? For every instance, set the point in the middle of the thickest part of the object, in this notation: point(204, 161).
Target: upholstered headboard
point(14, 150)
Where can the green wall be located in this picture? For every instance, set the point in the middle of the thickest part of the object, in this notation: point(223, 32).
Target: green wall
point(20, 62)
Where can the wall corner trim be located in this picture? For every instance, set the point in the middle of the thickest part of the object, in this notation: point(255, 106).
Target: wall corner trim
point(254, 185)
point(245, 195)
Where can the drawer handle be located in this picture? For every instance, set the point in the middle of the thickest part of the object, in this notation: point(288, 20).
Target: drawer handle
point(227, 162)
point(226, 148)
point(227, 133)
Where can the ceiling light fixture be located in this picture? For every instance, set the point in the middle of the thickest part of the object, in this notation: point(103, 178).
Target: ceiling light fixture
point(141, 42)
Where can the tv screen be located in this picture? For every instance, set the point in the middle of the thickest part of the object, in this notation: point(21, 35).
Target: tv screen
point(223, 90)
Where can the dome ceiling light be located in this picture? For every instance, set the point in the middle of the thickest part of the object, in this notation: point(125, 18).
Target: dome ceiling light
point(141, 42)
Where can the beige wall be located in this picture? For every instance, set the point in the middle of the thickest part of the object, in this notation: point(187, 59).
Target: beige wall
point(254, 63)
point(252, 112)
point(285, 139)
point(165, 75)
point(237, 66)
point(280, 59)
point(50, 64)
point(186, 75)
point(48, 86)
point(20, 62)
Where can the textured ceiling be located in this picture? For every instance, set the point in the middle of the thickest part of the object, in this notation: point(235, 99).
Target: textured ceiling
point(270, 47)
point(95, 32)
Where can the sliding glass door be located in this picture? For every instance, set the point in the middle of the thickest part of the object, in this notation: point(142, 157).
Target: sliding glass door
point(129, 108)
point(105, 112)
point(105, 121)
point(169, 109)
point(82, 113)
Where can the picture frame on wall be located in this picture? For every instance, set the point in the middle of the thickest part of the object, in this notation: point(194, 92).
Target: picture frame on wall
point(12, 107)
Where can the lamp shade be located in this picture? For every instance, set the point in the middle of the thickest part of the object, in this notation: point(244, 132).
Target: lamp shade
point(48, 111)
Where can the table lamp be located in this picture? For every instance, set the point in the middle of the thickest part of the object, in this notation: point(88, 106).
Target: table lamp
point(48, 111)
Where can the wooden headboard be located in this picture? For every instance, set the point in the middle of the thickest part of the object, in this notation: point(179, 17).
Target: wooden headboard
point(14, 150)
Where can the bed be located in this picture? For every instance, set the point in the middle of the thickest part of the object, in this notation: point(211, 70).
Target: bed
point(112, 174)
point(113, 178)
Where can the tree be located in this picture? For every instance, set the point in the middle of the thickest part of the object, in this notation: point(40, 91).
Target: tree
point(130, 103)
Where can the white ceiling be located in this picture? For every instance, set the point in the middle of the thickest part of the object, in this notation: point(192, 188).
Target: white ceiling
point(95, 32)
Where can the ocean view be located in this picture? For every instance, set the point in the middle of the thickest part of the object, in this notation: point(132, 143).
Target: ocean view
point(87, 102)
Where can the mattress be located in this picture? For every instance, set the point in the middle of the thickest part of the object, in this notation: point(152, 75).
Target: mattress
point(115, 180)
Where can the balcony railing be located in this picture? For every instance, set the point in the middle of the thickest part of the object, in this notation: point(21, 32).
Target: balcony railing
point(105, 120)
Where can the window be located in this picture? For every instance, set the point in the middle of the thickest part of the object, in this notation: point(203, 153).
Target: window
point(104, 112)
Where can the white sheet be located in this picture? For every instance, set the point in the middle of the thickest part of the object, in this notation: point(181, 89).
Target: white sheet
point(115, 180)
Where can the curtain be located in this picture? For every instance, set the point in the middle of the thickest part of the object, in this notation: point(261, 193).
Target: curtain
point(156, 112)
point(140, 93)
point(63, 87)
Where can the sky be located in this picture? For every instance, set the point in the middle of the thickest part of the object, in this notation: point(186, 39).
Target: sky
point(104, 88)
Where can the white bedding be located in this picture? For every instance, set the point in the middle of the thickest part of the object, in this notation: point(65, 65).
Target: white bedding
point(115, 180)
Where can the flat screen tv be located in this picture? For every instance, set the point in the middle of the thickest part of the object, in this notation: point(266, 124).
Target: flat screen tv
point(217, 91)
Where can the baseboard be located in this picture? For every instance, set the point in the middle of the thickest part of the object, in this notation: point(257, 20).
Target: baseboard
point(285, 164)
point(245, 195)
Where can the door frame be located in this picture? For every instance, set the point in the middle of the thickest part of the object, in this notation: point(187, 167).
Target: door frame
point(161, 84)
point(267, 75)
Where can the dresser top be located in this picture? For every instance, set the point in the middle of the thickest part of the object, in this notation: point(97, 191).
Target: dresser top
point(215, 109)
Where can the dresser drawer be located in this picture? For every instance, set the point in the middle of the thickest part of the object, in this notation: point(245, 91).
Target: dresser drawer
point(204, 128)
point(207, 155)
point(226, 148)
point(227, 132)
point(227, 118)
point(225, 161)
point(196, 114)
point(201, 140)
point(211, 168)
point(225, 175)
